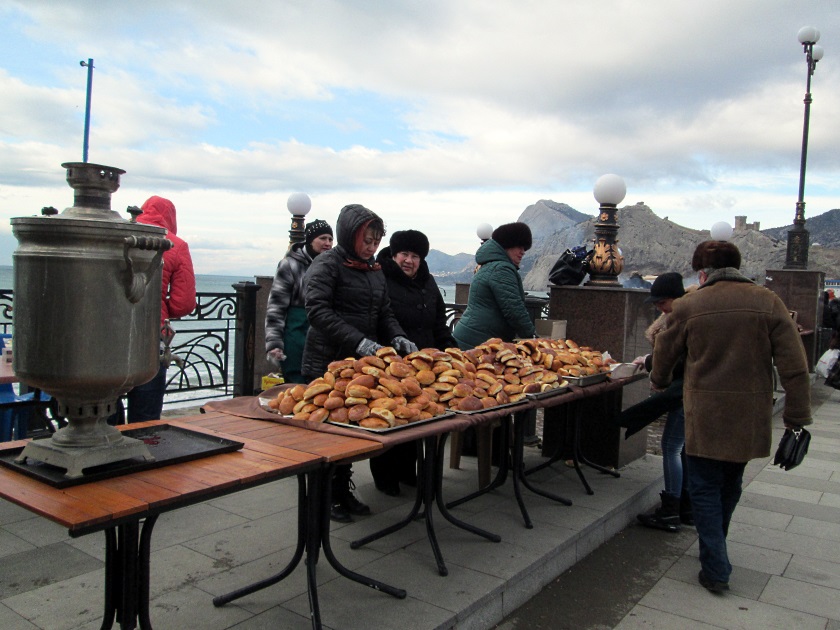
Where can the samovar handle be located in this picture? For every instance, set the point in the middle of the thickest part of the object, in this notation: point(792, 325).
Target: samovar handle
point(137, 281)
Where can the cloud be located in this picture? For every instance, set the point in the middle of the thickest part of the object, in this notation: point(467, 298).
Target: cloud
point(439, 115)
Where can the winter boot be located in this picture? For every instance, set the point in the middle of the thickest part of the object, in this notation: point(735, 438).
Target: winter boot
point(686, 514)
point(344, 500)
point(666, 517)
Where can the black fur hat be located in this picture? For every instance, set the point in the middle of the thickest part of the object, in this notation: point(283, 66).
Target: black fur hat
point(409, 241)
point(513, 235)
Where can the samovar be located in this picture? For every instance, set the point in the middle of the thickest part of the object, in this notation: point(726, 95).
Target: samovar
point(87, 287)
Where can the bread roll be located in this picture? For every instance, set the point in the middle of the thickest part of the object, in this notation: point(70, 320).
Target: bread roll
point(374, 361)
point(357, 391)
point(385, 414)
point(400, 370)
point(373, 423)
point(319, 415)
point(462, 390)
point(340, 415)
point(301, 415)
point(489, 402)
point(470, 403)
point(383, 403)
point(365, 380)
point(352, 401)
point(334, 402)
point(425, 377)
point(287, 406)
point(412, 386)
point(296, 392)
point(358, 412)
point(393, 385)
point(386, 351)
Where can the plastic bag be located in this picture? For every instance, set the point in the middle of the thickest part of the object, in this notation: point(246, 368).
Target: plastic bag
point(828, 359)
point(571, 268)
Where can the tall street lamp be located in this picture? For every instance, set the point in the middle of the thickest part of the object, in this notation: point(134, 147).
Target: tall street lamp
point(89, 65)
point(298, 205)
point(607, 262)
point(797, 241)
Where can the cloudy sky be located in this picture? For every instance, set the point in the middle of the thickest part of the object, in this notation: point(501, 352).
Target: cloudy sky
point(436, 114)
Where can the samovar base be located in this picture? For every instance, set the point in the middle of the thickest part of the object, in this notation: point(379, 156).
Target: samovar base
point(75, 460)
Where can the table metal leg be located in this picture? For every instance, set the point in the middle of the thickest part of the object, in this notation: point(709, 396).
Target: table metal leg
point(501, 474)
point(578, 457)
point(429, 493)
point(326, 498)
point(127, 568)
point(303, 537)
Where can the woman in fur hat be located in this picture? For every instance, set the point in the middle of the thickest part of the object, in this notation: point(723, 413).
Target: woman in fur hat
point(496, 306)
point(285, 315)
point(419, 308)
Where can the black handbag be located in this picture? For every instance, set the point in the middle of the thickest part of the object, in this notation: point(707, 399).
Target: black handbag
point(792, 448)
point(571, 268)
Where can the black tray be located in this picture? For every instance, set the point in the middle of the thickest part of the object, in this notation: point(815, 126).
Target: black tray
point(168, 444)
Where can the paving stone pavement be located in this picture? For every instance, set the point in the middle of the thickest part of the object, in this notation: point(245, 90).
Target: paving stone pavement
point(784, 545)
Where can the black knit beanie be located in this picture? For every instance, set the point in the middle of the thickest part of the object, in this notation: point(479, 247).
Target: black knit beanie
point(409, 241)
point(513, 235)
point(315, 229)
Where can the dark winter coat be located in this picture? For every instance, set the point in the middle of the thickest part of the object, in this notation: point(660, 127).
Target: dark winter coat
point(178, 286)
point(731, 332)
point(286, 292)
point(417, 304)
point(496, 307)
point(344, 305)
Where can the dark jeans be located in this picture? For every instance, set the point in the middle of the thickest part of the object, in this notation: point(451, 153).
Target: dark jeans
point(715, 488)
point(145, 402)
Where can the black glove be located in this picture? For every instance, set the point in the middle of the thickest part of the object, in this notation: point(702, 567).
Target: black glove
point(403, 346)
point(367, 347)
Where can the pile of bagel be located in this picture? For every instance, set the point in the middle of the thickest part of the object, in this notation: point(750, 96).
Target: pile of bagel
point(388, 390)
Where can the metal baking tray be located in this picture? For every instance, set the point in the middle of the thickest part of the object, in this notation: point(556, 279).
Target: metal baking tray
point(494, 408)
point(551, 393)
point(583, 381)
point(348, 425)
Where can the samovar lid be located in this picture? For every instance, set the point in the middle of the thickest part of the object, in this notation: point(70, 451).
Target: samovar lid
point(93, 185)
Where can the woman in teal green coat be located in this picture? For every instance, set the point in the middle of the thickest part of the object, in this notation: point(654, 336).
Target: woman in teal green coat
point(496, 306)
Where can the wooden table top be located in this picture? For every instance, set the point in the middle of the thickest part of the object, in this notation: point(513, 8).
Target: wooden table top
point(7, 374)
point(267, 455)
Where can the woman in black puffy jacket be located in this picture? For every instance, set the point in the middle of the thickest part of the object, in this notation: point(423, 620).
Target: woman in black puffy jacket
point(419, 309)
point(349, 316)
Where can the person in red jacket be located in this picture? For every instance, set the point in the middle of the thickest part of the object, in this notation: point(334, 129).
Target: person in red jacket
point(145, 402)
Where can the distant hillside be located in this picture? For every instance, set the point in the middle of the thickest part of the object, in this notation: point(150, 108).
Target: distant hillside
point(650, 245)
point(824, 229)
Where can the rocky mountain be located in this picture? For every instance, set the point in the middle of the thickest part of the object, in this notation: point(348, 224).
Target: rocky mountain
point(824, 229)
point(652, 245)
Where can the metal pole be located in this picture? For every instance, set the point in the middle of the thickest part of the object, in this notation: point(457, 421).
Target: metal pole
point(89, 66)
point(798, 240)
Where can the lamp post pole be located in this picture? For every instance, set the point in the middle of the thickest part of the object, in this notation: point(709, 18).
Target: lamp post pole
point(798, 237)
point(89, 65)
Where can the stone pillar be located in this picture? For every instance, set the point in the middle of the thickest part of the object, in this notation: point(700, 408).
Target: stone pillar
point(462, 292)
point(261, 365)
point(801, 291)
point(614, 320)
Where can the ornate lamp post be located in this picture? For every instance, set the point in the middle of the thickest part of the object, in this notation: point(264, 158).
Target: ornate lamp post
point(299, 205)
point(484, 231)
point(797, 241)
point(607, 261)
